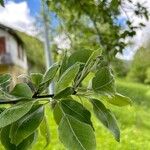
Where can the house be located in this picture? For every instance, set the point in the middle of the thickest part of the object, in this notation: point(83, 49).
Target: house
point(13, 57)
point(19, 52)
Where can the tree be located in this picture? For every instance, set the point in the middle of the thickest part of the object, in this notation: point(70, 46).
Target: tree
point(93, 24)
point(20, 122)
point(121, 67)
point(140, 65)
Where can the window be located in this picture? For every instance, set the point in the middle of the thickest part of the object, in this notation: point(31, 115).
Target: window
point(20, 52)
point(2, 45)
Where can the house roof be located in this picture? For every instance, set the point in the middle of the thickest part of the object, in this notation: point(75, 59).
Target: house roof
point(33, 46)
point(12, 32)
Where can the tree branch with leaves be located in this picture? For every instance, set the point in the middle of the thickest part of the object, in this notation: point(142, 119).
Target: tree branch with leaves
point(20, 120)
point(23, 111)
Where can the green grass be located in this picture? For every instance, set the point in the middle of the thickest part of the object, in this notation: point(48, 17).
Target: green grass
point(139, 93)
point(134, 123)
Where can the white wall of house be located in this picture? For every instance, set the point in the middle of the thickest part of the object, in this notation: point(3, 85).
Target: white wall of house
point(12, 48)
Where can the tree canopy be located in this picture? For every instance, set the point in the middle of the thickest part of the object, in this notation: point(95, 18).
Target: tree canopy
point(95, 23)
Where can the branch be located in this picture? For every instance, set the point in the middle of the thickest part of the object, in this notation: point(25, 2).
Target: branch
point(9, 102)
point(18, 100)
point(35, 96)
point(43, 96)
point(97, 30)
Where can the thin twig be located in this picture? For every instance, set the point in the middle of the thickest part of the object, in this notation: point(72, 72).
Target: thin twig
point(43, 96)
point(9, 102)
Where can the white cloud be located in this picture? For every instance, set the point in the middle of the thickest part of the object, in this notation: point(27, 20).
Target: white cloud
point(62, 41)
point(17, 15)
point(142, 35)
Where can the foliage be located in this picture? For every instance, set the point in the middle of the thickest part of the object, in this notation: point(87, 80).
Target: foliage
point(95, 23)
point(2, 2)
point(21, 121)
point(120, 67)
point(147, 75)
point(34, 49)
point(140, 65)
point(134, 127)
point(134, 122)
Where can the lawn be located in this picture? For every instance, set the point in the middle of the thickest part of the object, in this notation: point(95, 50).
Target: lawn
point(134, 122)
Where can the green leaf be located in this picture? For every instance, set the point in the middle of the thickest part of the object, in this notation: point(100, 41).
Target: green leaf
point(118, 100)
point(79, 56)
point(67, 77)
point(85, 69)
point(76, 135)
point(45, 131)
point(36, 79)
point(2, 109)
point(26, 125)
point(4, 96)
point(5, 80)
point(26, 143)
point(57, 113)
point(76, 110)
point(106, 117)
point(2, 2)
point(113, 127)
point(115, 4)
point(103, 81)
point(64, 93)
point(93, 56)
point(63, 64)
point(7, 98)
point(14, 113)
point(48, 77)
point(5, 140)
point(22, 90)
point(50, 74)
